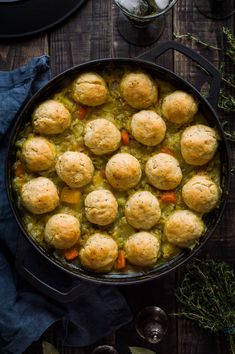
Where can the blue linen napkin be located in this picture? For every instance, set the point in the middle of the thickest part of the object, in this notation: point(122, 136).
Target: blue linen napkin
point(24, 312)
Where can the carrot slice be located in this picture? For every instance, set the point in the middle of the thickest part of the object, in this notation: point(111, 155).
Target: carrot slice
point(83, 110)
point(70, 196)
point(121, 261)
point(125, 137)
point(71, 254)
point(167, 150)
point(169, 197)
point(20, 170)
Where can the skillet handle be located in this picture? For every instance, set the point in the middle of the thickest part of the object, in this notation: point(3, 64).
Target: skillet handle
point(154, 53)
point(46, 277)
point(62, 296)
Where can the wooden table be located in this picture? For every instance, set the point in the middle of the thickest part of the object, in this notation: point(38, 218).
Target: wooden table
point(92, 33)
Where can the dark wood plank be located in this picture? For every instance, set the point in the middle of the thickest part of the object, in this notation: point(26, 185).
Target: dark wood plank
point(92, 33)
point(14, 54)
point(87, 35)
point(191, 339)
point(70, 44)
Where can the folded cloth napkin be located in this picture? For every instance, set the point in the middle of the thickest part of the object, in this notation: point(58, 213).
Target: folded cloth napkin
point(24, 312)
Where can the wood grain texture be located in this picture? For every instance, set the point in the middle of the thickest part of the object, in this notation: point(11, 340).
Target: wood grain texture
point(92, 33)
point(88, 35)
point(14, 54)
point(221, 246)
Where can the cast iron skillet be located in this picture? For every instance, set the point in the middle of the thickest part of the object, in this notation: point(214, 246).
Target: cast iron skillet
point(206, 106)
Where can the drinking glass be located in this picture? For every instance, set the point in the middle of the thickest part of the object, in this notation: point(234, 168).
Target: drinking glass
point(104, 349)
point(141, 22)
point(215, 9)
point(151, 323)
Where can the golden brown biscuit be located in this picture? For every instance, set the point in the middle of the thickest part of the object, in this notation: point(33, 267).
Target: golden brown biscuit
point(101, 207)
point(102, 137)
point(75, 168)
point(90, 89)
point(142, 249)
point(123, 171)
point(62, 231)
point(201, 194)
point(138, 90)
point(179, 107)
point(40, 195)
point(163, 171)
point(99, 253)
point(142, 210)
point(51, 117)
point(38, 153)
point(183, 228)
point(198, 144)
point(148, 128)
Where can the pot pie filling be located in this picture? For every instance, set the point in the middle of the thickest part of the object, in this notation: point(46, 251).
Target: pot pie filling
point(115, 172)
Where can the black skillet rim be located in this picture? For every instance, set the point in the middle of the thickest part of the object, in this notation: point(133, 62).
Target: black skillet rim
point(186, 255)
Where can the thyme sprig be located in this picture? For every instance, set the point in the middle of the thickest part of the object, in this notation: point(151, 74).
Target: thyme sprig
point(229, 135)
point(226, 101)
point(227, 79)
point(190, 36)
point(207, 296)
point(230, 40)
point(230, 52)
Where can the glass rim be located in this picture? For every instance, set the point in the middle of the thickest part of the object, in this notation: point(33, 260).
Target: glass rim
point(148, 17)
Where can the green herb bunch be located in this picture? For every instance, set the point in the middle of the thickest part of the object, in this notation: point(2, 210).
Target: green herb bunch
point(207, 296)
point(226, 100)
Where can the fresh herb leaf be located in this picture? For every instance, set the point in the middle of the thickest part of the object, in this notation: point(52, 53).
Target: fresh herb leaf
point(229, 135)
point(226, 102)
point(230, 39)
point(140, 350)
point(227, 79)
point(191, 37)
point(207, 296)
